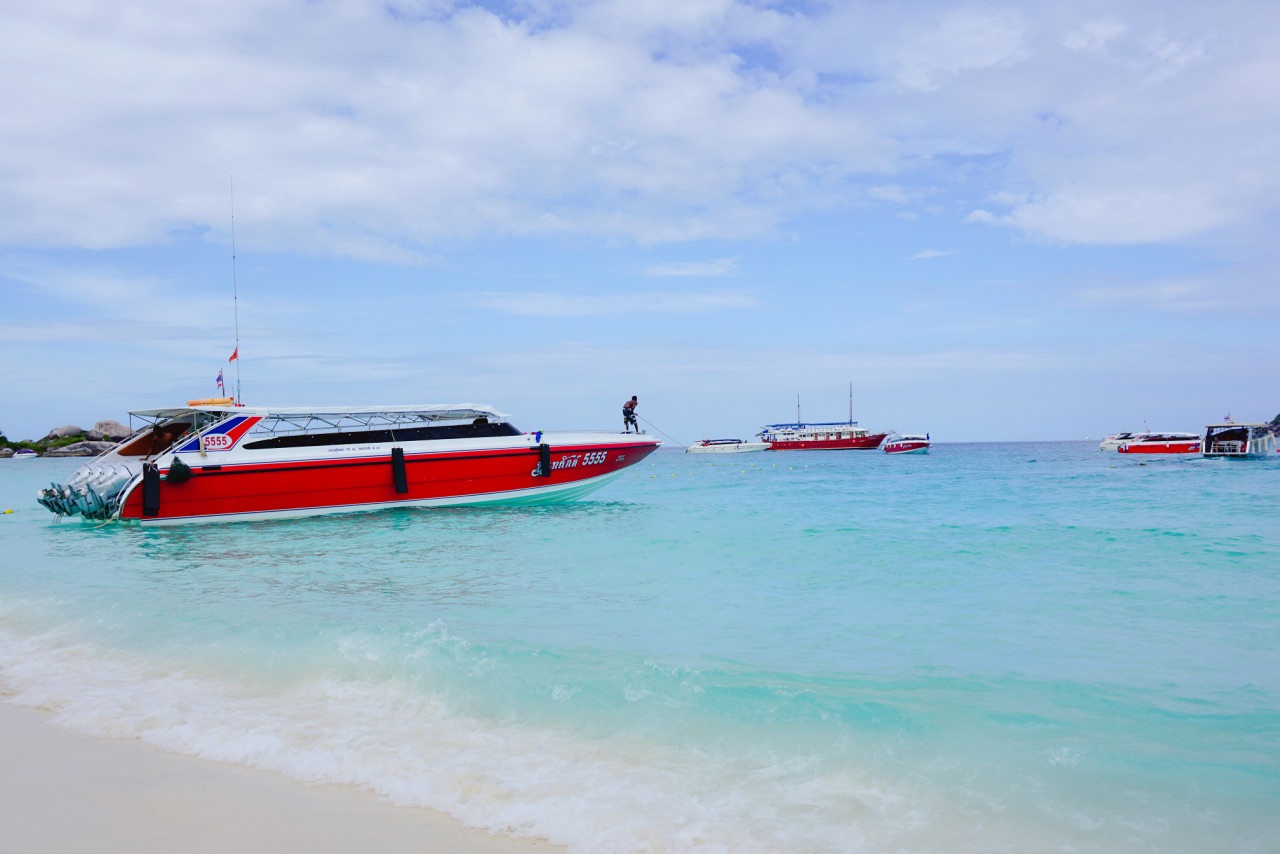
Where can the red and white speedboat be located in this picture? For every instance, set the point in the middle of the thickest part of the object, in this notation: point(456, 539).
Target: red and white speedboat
point(907, 443)
point(835, 436)
point(215, 461)
point(1162, 443)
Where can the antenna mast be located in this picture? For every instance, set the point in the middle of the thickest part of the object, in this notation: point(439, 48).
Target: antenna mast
point(850, 403)
point(798, 421)
point(235, 288)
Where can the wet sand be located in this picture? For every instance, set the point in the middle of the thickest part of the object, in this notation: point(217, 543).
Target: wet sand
point(67, 792)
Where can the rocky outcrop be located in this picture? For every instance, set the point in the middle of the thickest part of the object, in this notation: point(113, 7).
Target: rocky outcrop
point(80, 449)
point(111, 431)
point(63, 432)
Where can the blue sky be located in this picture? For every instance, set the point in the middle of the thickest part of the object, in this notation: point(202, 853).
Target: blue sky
point(996, 220)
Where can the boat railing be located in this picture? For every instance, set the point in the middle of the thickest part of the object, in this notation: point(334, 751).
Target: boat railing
point(555, 432)
point(1231, 447)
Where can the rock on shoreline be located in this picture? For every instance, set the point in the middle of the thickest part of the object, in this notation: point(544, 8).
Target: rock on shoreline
point(103, 436)
point(103, 431)
point(80, 449)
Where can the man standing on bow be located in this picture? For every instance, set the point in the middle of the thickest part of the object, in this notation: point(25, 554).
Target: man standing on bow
point(629, 415)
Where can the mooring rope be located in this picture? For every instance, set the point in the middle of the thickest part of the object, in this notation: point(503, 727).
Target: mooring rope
point(655, 427)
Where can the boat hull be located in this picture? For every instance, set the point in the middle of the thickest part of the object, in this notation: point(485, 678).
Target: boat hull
point(315, 486)
point(906, 448)
point(1189, 447)
point(869, 442)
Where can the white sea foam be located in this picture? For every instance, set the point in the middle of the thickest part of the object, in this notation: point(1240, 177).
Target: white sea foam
point(590, 795)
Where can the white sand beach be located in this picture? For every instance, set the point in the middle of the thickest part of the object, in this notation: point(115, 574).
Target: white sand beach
point(67, 792)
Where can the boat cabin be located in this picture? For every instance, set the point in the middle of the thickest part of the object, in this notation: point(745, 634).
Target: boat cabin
point(829, 431)
point(1239, 441)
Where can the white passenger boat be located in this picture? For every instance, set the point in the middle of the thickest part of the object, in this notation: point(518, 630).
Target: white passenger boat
point(24, 454)
point(216, 461)
point(1230, 440)
point(725, 446)
point(1115, 440)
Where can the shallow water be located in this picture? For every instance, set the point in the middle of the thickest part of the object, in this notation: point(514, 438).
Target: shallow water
point(1019, 647)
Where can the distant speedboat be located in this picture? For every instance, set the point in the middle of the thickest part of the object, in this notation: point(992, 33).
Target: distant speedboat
point(907, 443)
point(725, 446)
point(1162, 443)
point(24, 454)
point(1115, 440)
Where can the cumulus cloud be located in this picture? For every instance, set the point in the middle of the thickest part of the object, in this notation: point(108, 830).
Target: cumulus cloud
point(375, 130)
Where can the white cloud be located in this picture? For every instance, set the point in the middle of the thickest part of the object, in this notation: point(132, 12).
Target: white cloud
point(959, 41)
point(890, 193)
point(597, 305)
point(1120, 214)
point(925, 254)
point(1095, 34)
point(693, 269)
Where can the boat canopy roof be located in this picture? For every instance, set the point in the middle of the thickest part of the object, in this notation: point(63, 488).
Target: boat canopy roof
point(1234, 424)
point(811, 424)
point(420, 412)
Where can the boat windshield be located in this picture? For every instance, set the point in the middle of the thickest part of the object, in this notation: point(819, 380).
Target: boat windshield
point(165, 433)
point(478, 429)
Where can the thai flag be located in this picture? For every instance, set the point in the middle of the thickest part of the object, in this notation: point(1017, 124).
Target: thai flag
point(219, 379)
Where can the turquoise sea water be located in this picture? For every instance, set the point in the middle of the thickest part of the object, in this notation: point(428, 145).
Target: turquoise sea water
point(995, 647)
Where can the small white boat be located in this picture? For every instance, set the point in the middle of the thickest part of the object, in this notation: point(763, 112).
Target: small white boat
point(725, 446)
point(24, 454)
point(1115, 440)
point(907, 443)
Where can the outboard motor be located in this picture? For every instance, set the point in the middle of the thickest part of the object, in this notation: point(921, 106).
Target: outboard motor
point(93, 491)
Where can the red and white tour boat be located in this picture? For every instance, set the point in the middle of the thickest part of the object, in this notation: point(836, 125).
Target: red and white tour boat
point(217, 461)
point(1162, 443)
point(822, 436)
point(907, 443)
point(833, 436)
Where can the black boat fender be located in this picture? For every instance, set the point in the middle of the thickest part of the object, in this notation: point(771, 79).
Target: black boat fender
point(150, 489)
point(398, 471)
